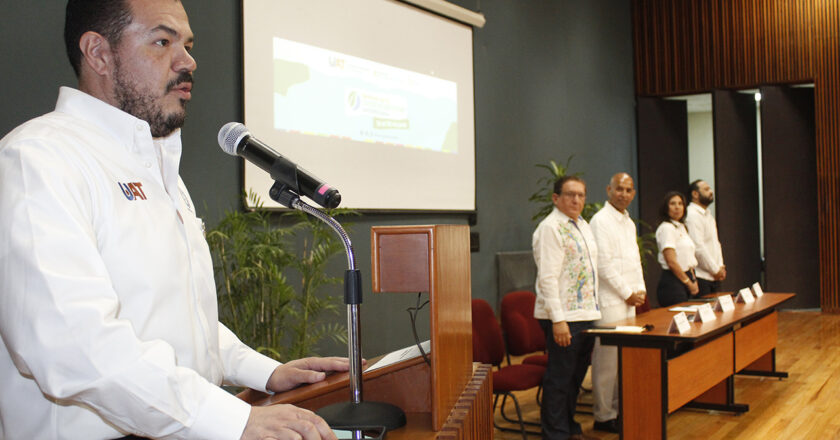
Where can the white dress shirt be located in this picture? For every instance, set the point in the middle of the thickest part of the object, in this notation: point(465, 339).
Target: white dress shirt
point(108, 311)
point(672, 234)
point(619, 264)
point(619, 275)
point(567, 276)
point(702, 228)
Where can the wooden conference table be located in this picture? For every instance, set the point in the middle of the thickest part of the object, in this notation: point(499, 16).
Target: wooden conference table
point(660, 372)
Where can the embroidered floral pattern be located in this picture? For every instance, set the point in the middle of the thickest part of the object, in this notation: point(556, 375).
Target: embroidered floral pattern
point(581, 291)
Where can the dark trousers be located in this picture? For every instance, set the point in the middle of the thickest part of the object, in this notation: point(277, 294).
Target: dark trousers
point(707, 287)
point(671, 290)
point(561, 383)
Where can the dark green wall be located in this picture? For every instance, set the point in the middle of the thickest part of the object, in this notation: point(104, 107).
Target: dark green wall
point(553, 78)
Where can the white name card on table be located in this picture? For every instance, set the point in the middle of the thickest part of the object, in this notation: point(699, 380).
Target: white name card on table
point(757, 290)
point(705, 313)
point(745, 296)
point(724, 304)
point(679, 324)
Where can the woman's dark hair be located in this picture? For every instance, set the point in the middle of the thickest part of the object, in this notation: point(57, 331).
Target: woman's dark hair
point(663, 208)
point(106, 17)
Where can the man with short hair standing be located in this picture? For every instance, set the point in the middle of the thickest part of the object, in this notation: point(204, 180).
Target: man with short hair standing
point(621, 287)
point(108, 314)
point(702, 228)
point(567, 304)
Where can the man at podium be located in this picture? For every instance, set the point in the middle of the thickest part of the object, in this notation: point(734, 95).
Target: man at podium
point(108, 312)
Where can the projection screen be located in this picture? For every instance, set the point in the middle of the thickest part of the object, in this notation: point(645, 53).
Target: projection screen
point(375, 97)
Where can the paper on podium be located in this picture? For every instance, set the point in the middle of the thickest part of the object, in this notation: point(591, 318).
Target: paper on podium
point(400, 355)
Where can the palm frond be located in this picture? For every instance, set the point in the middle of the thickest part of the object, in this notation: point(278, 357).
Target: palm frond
point(257, 260)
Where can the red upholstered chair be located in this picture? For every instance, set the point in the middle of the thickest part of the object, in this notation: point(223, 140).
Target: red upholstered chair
point(523, 333)
point(489, 348)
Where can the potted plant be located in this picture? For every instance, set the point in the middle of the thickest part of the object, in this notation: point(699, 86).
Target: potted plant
point(269, 277)
point(546, 184)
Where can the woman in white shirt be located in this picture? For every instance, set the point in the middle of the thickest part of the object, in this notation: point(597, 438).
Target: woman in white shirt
point(676, 253)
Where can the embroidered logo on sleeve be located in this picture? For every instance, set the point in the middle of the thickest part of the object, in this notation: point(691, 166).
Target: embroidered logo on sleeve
point(132, 191)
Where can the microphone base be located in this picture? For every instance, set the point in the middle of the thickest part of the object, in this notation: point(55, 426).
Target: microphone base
point(363, 416)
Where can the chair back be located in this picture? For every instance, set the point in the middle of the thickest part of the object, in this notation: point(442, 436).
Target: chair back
point(522, 331)
point(488, 344)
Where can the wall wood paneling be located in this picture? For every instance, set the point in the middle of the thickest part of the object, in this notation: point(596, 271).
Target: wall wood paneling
point(693, 46)
point(790, 188)
point(736, 187)
point(663, 165)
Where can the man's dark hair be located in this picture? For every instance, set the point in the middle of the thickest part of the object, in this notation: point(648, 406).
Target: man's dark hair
point(106, 17)
point(663, 208)
point(558, 184)
point(694, 186)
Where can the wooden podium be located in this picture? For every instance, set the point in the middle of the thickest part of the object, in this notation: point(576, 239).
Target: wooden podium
point(452, 399)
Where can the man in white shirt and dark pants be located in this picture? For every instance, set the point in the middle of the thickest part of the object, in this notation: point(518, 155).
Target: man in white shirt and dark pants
point(702, 228)
point(567, 304)
point(621, 288)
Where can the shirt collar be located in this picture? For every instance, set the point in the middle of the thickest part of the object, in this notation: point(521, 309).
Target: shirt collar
point(563, 218)
point(616, 213)
point(119, 124)
point(697, 206)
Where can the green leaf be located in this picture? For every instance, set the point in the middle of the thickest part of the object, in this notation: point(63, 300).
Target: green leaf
point(256, 263)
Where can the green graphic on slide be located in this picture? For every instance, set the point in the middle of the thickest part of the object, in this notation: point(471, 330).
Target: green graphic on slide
point(396, 124)
point(324, 93)
point(450, 142)
point(288, 74)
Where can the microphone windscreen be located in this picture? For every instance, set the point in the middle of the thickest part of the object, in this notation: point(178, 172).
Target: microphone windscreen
point(230, 135)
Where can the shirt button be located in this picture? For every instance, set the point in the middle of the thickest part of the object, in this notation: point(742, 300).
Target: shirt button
point(139, 127)
point(148, 164)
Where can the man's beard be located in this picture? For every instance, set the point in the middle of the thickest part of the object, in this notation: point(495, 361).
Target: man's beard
point(145, 107)
point(706, 201)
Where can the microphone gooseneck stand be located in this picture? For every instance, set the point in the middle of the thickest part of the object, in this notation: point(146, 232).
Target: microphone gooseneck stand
point(355, 415)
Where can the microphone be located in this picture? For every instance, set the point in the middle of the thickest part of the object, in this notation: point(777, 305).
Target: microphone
point(235, 140)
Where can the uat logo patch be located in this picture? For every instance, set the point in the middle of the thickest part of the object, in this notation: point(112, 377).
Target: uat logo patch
point(133, 190)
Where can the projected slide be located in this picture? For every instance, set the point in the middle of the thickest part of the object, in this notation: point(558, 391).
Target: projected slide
point(376, 99)
point(324, 93)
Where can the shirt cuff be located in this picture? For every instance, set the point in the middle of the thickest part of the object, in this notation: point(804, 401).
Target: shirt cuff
point(255, 370)
point(221, 416)
point(555, 310)
point(626, 291)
